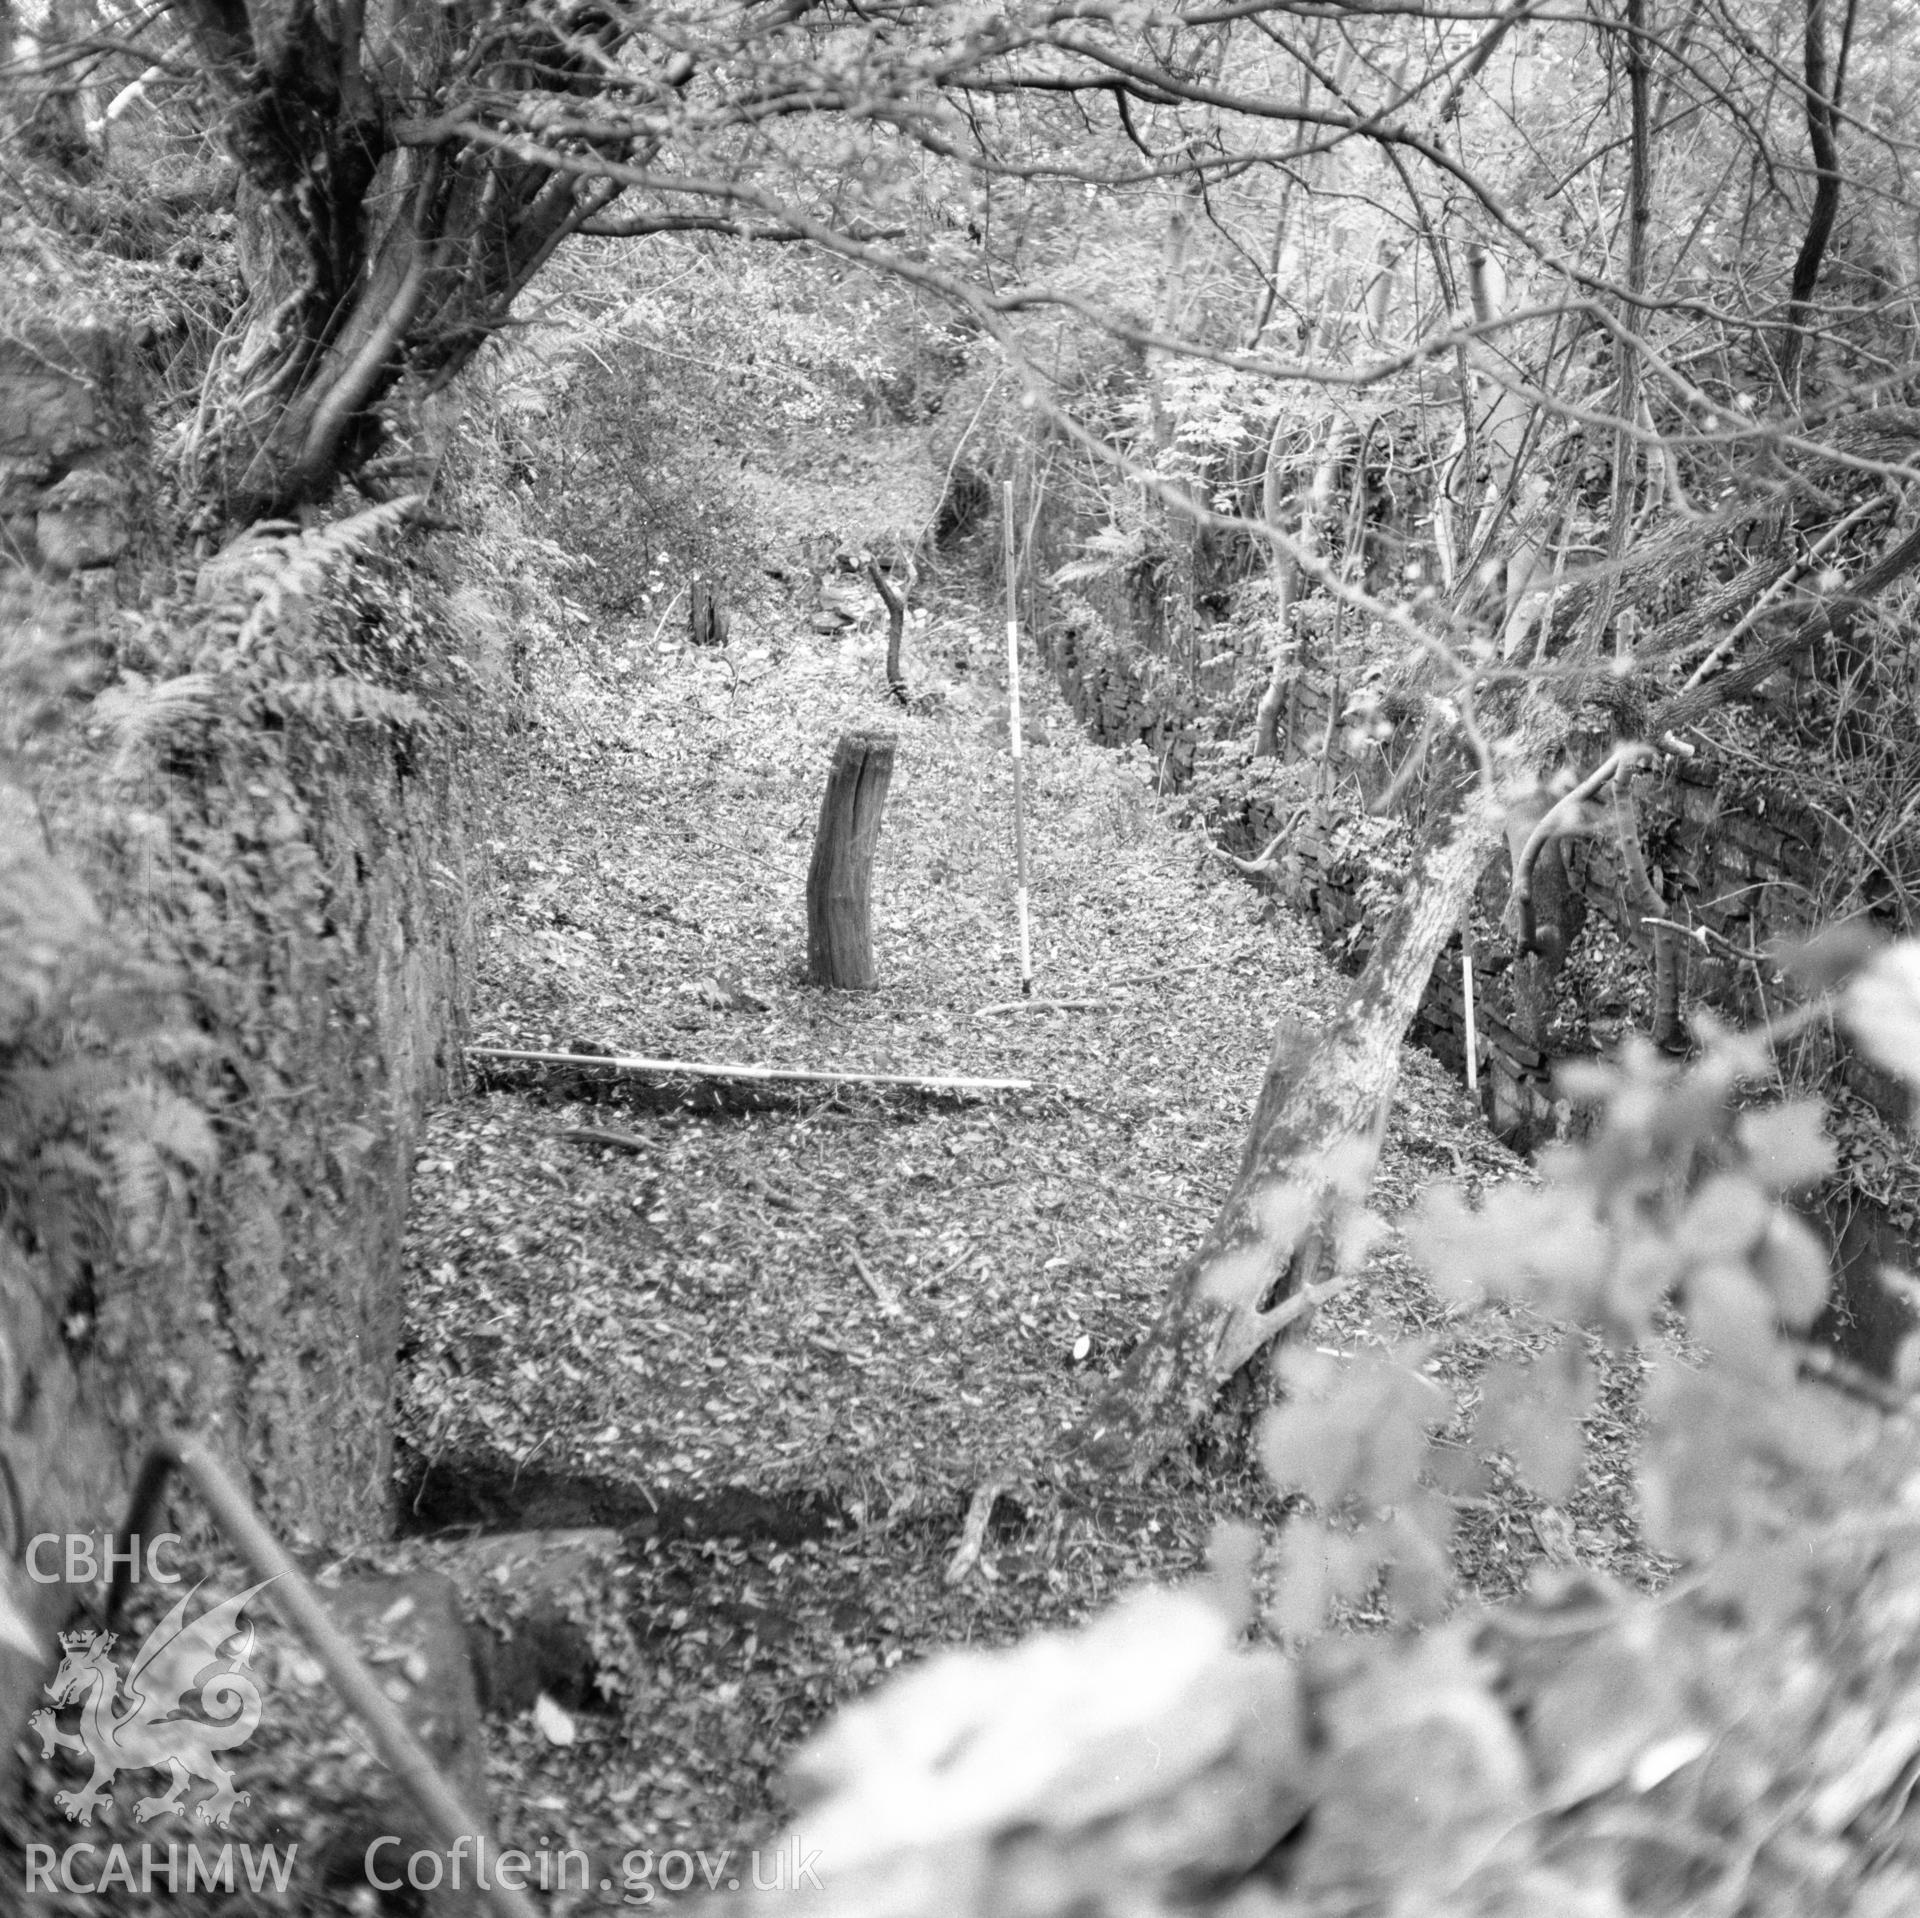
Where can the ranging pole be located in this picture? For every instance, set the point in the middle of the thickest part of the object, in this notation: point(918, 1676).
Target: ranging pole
point(1019, 756)
point(1466, 999)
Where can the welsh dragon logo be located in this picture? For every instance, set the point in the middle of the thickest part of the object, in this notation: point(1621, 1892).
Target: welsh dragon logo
point(147, 1725)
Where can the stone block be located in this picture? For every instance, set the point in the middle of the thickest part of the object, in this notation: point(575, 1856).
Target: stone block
point(530, 1596)
point(409, 1629)
point(73, 442)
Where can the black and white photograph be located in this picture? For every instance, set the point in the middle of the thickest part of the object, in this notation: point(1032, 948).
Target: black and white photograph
point(960, 958)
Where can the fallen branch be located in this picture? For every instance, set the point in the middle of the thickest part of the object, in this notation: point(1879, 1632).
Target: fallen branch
point(1700, 935)
point(602, 1135)
point(1687, 709)
point(713, 1069)
point(973, 1534)
point(952, 1265)
point(1170, 972)
point(1044, 1005)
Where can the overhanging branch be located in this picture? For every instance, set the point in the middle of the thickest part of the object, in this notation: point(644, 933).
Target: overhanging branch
point(1688, 708)
point(637, 226)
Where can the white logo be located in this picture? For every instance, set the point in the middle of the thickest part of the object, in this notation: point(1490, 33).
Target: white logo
point(147, 1724)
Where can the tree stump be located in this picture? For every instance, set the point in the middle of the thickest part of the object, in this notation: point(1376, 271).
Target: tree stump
point(839, 882)
point(708, 618)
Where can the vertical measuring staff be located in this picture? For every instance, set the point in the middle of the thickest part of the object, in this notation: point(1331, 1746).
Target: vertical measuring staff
point(1019, 757)
point(1466, 999)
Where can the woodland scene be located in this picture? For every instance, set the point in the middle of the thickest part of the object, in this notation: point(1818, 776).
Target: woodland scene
point(955, 958)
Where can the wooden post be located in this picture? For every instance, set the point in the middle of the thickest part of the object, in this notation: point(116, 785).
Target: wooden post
point(706, 616)
point(839, 882)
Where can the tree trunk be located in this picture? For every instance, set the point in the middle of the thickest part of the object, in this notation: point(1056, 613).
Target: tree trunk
point(1273, 505)
point(1316, 1130)
point(1311, 1148)
point(1174, 585)
point(1314, 510)
point(839, 882)
point(363, 259)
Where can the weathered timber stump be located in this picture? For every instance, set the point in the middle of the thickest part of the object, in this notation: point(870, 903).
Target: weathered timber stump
point(708, 617)
point(839, 882)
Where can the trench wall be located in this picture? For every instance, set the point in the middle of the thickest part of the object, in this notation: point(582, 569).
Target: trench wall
point(1741, 856)
point(292, 904)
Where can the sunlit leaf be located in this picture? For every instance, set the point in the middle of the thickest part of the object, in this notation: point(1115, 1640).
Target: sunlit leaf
point(1734, 1318)
point(1786, 1145)
point(1792, 1264)
point(1725, 1219)
point(1883, 1010)
point(1531, 1409)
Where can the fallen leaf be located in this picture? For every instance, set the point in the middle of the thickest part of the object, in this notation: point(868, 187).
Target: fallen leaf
point(555, 1722)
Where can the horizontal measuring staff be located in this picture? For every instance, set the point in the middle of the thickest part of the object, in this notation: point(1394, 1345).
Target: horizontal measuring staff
point(711, 1069)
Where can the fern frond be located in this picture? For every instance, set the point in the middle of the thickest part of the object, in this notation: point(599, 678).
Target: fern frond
point(139, 1188)
point(1110, 550)
point(143, 715)
point(166, 1121)
point(1077, 572)
point(47, 918)
point(63, 1159)
point(341, 696)
point(270, 577)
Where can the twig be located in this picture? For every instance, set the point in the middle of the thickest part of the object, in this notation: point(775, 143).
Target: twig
point(888, 1303)
point(1702, 934)
point(602, 1135)
point(1551, 824)
point(1161, 972)
point(713, 1069)
point(1044, 1005)
point(953, 1264)
point(664, 617)
point(1303, 1302)
point(973, 1534)
point(1802, 566)
point(1253, 868)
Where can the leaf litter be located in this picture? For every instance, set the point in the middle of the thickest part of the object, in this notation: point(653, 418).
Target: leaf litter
point(860, 1308)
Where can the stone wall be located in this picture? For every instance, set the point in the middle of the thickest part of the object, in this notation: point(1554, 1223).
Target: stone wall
point(1742, 857)
point(72, 443)
point(321, 926)
point(291, 901)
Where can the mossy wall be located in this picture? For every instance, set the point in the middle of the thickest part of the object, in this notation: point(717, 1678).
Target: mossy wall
point(247, 911)
point(1745, 859)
